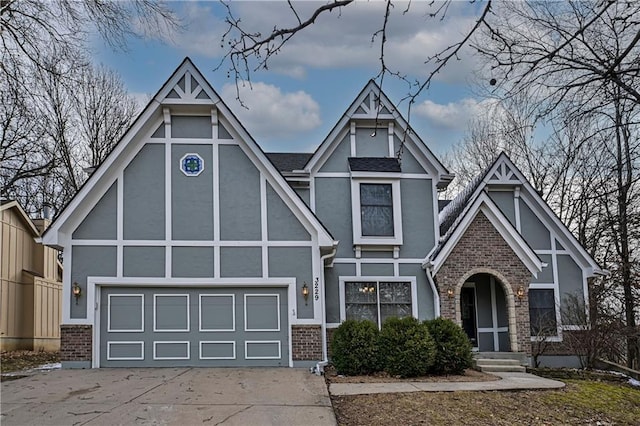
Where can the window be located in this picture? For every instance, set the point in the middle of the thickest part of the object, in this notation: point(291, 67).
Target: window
point(542, 312)
point(376, 213)
point(376, 209)
point(377, 300)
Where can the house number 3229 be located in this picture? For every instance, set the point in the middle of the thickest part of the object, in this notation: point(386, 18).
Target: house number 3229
point(316, 289)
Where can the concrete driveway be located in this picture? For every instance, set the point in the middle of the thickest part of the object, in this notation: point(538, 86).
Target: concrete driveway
point(185, 396)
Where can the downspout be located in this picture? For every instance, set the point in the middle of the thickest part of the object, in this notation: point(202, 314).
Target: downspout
point(427, 265)
point(319, 368)
point(436, 296)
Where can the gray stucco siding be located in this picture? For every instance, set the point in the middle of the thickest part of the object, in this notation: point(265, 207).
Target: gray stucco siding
point(501, 306)
point(294, 262)
point(159, 132)
point(417, 217)
point(377, 254)
point(376, 270)
point(504, 201)
point(101, 222)
point(192, 196)
point(144, 195)
point(409, 162)
point(333, 207)
point(240, 262)
point(483, 298)
point(424, 292)
point(196, 127)
point(305, 194)
point(89, 261)
point(337, 161)
point(223, 133)
point(143, 261)
point(372, 146)
point(332, 288)
point(532, 229)
point(570, 281)
point(192, 262)
point(239, 195)
point(282, 224)
point(546, 275)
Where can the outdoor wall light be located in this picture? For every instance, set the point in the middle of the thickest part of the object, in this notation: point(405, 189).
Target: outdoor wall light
point(77, 291)
point(305, 292)
point(520, 292)
point(450, 292)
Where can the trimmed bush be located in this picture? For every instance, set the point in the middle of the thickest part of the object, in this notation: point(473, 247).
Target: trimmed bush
point(453, 348)
point(406, 347)
point(354, 348)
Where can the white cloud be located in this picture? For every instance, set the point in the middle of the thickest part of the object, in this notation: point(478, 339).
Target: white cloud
point(339, 39)
point(453, 115)
point(271, 113)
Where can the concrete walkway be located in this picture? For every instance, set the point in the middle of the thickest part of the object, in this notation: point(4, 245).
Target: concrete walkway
point(509, 381)
point(183, 396)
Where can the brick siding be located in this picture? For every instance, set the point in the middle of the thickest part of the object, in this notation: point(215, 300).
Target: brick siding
point(306, 342)
point(75, 342)
point(483, 250)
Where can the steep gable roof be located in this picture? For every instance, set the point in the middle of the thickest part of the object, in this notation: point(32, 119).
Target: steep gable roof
point(482, 203)
point(373, 104)
point(188, 87)
point(502, 171)
point(288, 161)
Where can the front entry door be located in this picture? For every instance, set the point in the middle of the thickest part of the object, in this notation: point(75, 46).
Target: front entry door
point(468, 310)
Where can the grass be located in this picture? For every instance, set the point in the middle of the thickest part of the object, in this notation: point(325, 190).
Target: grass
point(581, 402)
point(11, 361)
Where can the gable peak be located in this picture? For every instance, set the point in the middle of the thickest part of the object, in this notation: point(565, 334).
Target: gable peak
point(373, 103)
point(187, 85)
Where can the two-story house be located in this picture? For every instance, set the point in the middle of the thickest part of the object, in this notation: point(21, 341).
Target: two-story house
point(189, 246)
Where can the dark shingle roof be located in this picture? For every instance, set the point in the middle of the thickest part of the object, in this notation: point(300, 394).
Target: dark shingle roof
point(288, 161)
point(442, 204)
point(374, 164)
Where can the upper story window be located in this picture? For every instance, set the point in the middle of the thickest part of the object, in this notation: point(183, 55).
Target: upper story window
point(376, 213)
point(376, 209)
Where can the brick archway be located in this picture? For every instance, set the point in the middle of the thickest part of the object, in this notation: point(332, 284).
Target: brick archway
point(509, 296)
point(481, 249)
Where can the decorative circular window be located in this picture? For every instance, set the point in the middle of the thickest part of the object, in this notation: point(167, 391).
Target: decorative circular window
point(191, 164)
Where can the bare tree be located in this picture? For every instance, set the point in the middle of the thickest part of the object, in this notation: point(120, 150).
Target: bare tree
point(59, 113)
point(64, 127)
point(566, 51)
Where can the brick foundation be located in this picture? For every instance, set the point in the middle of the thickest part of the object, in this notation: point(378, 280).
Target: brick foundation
point(483, 250)
point(76, 342)
point(306, 342)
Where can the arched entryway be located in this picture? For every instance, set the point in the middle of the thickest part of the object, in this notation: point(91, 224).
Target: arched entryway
point(485, 310)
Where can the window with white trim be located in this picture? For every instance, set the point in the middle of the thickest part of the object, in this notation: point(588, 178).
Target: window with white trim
point(377, 300)
point(376, 209)
point(542, 312)
point(377, 218)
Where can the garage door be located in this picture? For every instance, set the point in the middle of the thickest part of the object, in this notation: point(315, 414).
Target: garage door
point(205, 327)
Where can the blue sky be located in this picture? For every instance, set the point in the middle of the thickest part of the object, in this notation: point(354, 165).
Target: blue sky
point(308, 86)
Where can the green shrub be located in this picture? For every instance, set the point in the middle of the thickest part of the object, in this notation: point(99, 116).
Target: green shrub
point(453, 349)
point(354, 348)
point(406, 347)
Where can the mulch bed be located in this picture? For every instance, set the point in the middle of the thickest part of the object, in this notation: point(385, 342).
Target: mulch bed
point(381, 377)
